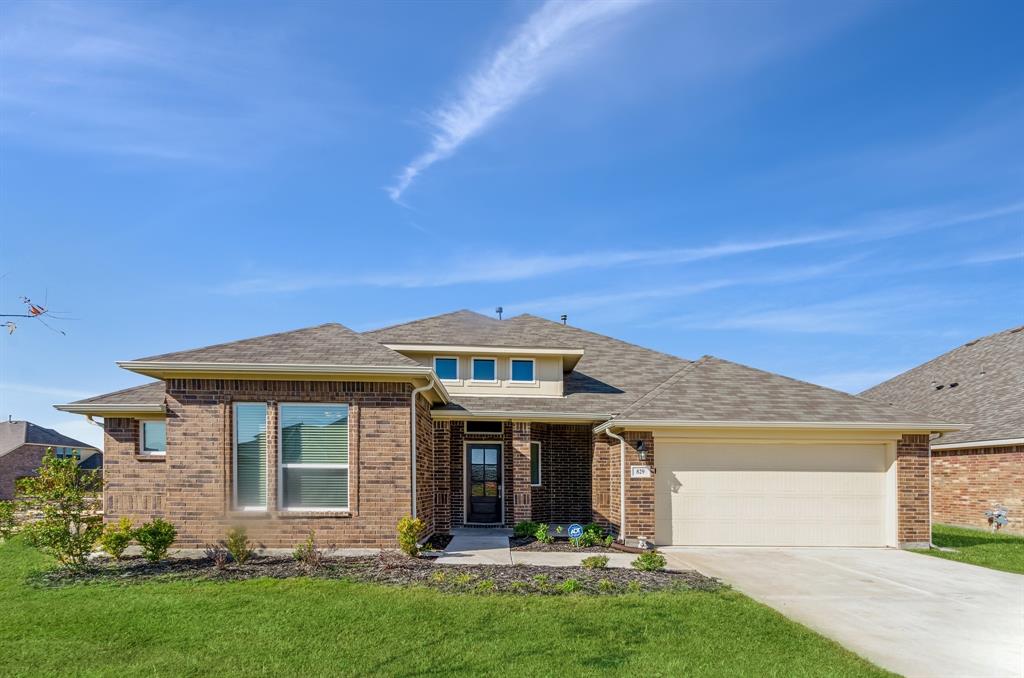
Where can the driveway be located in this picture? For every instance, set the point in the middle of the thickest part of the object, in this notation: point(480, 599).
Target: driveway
point(910, 613)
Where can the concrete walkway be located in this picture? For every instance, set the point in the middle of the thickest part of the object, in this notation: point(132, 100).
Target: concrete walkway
point(477, 546)
point(910, 613)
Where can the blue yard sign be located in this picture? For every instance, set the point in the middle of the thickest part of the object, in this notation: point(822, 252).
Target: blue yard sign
point(575, 531)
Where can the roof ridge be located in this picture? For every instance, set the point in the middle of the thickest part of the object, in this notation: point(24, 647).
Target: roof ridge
point(653, 393)
point(155, 358)
point(429, 317)
point(573, 328)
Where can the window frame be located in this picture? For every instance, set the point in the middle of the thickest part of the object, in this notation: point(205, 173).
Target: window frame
point(458, 366)
point(533, 369)
point(540, 464)
point(234, 456)
point(472, 370)
point(281, 465)
point(142, 438)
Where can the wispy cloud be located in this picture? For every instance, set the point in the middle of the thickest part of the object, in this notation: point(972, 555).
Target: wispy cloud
point(551, 37)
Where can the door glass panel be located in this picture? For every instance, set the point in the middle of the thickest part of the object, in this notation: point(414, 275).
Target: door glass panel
point(478, 455)
point(492, 456)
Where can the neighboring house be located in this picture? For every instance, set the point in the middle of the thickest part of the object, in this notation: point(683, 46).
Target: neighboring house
point(22, 446)
point(462, 419)
point(980, 384)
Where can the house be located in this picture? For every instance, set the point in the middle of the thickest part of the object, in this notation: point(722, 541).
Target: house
point(982, 385)
point(22, 446)
point(463, 420)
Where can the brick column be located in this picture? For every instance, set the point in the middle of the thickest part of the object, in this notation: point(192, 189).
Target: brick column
point(442, 477)
point(522, 506)
point(639, 491)
point(912, 483)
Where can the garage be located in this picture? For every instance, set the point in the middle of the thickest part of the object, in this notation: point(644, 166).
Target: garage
point(775, 493)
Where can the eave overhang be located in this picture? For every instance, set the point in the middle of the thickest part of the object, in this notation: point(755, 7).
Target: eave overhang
point(655, 424)
point(118, 410)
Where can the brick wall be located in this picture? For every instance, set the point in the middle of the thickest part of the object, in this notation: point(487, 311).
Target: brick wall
point(604, 481)
point(968, 482)
point(565, 492)
point(425, 464)
point(441, 449)
point(18, 463)
point(192, 487)
point(639, 491)
point(912, 489)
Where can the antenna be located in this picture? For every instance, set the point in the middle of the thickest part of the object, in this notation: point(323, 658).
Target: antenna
point(564, 318)
point(499, 311)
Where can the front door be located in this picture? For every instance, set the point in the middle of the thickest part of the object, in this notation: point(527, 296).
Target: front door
point(483, 483)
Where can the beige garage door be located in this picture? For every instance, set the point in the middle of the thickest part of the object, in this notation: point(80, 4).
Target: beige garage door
point(771, 495)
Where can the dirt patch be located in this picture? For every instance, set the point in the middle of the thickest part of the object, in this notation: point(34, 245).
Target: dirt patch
point(438, 542)
point(392, 569)
point(562, 545)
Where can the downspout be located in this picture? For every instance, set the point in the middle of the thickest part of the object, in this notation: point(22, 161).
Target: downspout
point(412, 420)
point(930, 439)
point(622, 483)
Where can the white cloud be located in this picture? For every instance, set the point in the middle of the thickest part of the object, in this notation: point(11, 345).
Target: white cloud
point(550, 37)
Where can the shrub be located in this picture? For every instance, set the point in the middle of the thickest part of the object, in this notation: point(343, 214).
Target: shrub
point(438, 577)
point(542, 581)
point(309, 553)
point(6, 519)
point(218, 555)
point(409, 531)
point(155, 538)
point(541, 533)
point(485, 586)
point(464, 578)
point(649, 561)
point(570, 586)
point(525, 528)
point(634, 587)
point(595, 562)
point(116, 537)
point(64, 495)
point(605, 586)
point(238, 545)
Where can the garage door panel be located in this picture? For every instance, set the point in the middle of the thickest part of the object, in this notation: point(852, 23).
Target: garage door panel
point(814, 495)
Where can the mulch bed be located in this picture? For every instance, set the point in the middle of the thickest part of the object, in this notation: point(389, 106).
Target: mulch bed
point(393, 569)
point(438, 542)
point(562, 545)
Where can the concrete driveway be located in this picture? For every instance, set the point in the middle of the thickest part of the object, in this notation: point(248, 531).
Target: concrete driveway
point(910, 613)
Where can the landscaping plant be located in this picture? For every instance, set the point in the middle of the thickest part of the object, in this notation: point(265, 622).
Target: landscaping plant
point(116, 537)
point(218, 555)
point(155, 538)
point(525, 528)
point(409, 531)
point(308, 553)
point(65, 496)
point(7, 523)
point(570, 586)
point(595, 562)
point(541, 534)
point(238, 545)
point(650, 561)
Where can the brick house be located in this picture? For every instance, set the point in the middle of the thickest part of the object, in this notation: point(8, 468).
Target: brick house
point(465, 420)
point(23, 444)
point(982, 385)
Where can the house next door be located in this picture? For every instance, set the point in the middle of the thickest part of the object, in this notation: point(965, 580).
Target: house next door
point(483, 483)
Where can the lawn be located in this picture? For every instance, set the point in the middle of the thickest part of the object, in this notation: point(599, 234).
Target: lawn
point(978, 547)
point(324, 627)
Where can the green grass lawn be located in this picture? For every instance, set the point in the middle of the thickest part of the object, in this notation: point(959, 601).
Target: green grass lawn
point(978, 547)
point(322, 627)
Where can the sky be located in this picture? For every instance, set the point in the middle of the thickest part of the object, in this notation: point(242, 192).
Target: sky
point(831, 191)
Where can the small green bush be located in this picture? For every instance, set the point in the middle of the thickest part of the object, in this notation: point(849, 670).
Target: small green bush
point(634, 587)
point(485, 586)
point(309, 553)
point(649, 561)
point(155, 538)
point(238, 545)
point(605, 586)
point(570, 586)
point(438, 577)
point(595, 562)
point(464, 578)
point(516, 586)
point(409, 531)
point(525, 528)
point(116, 537)
point(6, 519)
point(541, 534)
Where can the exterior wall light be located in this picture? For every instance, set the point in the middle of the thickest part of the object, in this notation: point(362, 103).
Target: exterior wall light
point(641, 450)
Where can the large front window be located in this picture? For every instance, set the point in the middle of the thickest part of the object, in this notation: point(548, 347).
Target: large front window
point(313, 454)
point(250, 463)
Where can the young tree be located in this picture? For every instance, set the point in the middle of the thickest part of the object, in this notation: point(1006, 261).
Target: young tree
point(64, 495)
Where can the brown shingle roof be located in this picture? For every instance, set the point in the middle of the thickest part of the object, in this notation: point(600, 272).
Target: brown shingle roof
point(989, 391)
point(14, 434)
point(716, 390)
point(146, 394)
point(328, 344)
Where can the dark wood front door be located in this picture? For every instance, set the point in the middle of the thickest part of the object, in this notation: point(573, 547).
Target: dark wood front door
point(483, 482)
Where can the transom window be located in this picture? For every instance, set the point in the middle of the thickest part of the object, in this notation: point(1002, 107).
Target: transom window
point(522, 370)
point(313, 442)
point(154, 437)
point(446, 368)
point(475, 426)
point(250, 462)
point(485, 369)
point(534, 463)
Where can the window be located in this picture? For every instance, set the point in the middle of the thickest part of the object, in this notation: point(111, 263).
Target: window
point(483, 427)
point(447, 369)
point(313, 444)
point(485, 369)
point(534, 463)
point(65, 452)
point(522, 370)
point(250, 463)
point(154, 437)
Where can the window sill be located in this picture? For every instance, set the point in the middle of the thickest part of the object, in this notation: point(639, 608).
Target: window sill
point(150, 457)
point(315, 514)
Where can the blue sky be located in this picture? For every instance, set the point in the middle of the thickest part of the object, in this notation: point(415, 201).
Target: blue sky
point(833, 191)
